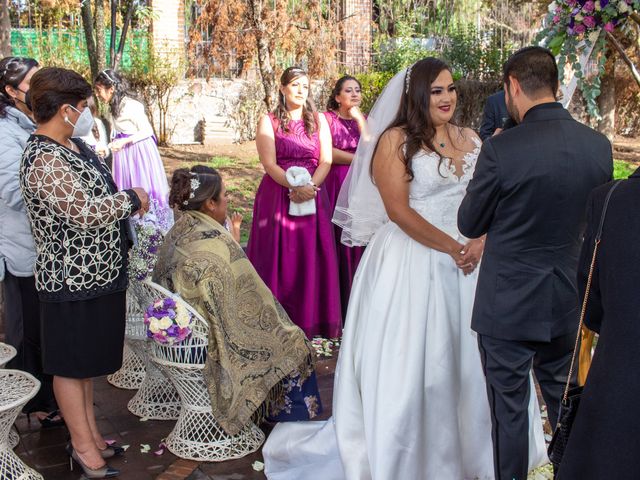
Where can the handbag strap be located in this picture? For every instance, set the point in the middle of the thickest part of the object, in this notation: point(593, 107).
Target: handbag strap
point(588, 288)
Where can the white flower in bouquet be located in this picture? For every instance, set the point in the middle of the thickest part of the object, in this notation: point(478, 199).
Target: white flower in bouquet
point(153, 325)
point(165, 323)
point(183, 319)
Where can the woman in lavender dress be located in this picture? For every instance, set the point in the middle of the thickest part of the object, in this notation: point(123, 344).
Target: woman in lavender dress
point(136, 160)
point(346, 122)
point(296, 255)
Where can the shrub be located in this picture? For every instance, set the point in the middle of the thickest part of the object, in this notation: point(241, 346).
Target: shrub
point(372, 85)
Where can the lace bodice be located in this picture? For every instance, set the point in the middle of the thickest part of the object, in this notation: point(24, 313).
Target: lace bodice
point(436, 193)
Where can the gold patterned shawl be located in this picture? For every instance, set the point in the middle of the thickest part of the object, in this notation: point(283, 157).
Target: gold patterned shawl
point(253, 344)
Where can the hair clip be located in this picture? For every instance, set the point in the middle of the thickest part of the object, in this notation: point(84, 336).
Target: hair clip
point(407, 79)
point(194, 184)
point(104, 72)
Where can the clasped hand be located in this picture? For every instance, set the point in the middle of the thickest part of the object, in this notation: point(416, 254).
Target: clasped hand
point(469, 256)
point(303, 194)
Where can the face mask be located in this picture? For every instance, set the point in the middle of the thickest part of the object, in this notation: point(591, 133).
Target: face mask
point(27, 99)
point(83, 125)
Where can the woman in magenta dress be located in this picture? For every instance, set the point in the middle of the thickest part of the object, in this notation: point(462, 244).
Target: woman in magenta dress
point(296, 255)
point(346, 122)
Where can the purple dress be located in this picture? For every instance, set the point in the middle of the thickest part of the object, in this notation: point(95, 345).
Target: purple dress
point(345, 135)
point(296, 256)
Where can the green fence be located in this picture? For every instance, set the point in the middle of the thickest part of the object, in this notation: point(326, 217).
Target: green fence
point(69, 46)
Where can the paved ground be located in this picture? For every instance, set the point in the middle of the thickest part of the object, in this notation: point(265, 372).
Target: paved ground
point(44, 449)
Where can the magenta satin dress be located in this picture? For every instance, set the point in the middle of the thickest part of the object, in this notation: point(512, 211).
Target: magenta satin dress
point(296, 256)
point(345, 135)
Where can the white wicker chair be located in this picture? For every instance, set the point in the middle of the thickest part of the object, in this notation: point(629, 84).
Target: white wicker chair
point(16, 389)
point(131, 374)
point(156, 399)
point(7, 352)
point(197, 435)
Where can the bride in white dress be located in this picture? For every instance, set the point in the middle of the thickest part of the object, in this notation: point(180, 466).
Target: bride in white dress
point(409, 394)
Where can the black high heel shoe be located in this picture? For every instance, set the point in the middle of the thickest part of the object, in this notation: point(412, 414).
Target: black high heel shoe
point(49, 421)
point(104, 472)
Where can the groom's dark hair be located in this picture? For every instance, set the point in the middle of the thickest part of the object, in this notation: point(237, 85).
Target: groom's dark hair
point(536, 71)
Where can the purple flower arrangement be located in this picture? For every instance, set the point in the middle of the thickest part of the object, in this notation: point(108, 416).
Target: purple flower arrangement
point(585, 19)
point(149, 231)
point(168, 322)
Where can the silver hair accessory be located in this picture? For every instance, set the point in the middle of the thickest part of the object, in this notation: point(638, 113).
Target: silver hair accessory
point(407, 79)
point(104, 72)
point(194, 184)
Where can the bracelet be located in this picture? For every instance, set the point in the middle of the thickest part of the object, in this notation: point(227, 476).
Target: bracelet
point(312, 184)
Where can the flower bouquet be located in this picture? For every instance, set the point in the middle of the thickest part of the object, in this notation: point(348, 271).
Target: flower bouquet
point(149, 233)
point(168, 322)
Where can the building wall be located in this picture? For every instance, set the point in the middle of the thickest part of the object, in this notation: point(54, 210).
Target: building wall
point(168, 26)
point(357, 35)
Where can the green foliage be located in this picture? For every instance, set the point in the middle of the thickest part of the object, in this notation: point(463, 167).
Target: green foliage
point(394, 54)
point(154, 76)
point(372, 85)
point(475, 54)
point(622, 169)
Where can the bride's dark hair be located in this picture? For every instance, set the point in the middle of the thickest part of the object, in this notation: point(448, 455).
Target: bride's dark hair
point(413, 116)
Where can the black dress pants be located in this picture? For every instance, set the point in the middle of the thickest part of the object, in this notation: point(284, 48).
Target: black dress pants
point(22, 331)
point(507, 365)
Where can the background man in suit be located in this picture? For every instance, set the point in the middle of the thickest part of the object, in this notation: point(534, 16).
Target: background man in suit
point(528, 194)
point(494, 115)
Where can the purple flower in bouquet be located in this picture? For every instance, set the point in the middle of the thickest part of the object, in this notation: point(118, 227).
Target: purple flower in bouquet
point(589, 22)
point(609, 27)
point(572, 3)
point(168, 322)
point(580, 29)
point(589, 6)
point(604, 3)
point(556, 19)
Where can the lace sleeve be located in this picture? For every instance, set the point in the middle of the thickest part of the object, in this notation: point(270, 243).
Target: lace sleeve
point(51, 179)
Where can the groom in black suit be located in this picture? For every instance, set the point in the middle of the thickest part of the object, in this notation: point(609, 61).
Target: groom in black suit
point(528, 195)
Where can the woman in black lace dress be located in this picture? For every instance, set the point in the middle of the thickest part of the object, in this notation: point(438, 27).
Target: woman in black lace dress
point(78, 222)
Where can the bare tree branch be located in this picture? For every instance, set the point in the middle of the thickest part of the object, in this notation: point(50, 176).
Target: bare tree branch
point(625, 58)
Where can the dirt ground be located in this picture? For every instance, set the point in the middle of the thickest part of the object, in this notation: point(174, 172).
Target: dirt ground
point(237, 163)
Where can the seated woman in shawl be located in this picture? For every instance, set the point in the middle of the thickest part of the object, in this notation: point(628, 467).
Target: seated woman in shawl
point(258, 360)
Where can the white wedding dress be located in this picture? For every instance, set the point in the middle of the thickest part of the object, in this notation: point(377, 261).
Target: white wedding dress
point(409, 396)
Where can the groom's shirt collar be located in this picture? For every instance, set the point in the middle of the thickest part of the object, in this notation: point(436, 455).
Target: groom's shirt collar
point(546, 111)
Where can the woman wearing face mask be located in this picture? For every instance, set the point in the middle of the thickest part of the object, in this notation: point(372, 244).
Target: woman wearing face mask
point(136, 160)
point(78, 221)
point(17, 250)
point(346, 123)
point(296, 255)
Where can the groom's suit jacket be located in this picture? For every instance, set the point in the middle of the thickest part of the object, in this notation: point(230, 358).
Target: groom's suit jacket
point(528, 194)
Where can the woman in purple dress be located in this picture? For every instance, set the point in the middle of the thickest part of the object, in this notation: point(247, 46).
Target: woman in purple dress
point(136, 160)
point(296, 254)
point(346, 122)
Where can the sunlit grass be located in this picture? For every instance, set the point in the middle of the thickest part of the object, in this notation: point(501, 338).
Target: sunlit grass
point(622, 169)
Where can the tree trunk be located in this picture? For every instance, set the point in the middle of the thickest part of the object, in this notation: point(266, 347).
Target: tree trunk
point(5, 29)
point(264, 55)
point(114, 32)
point(89, 35)
point(123, 35)
point(100, 37)
point(607, 100)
